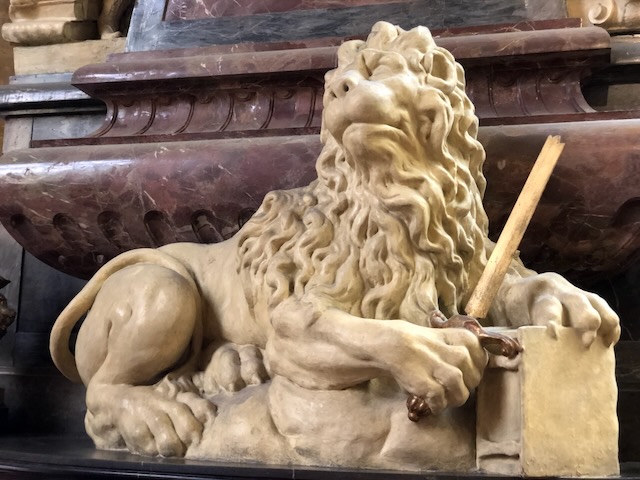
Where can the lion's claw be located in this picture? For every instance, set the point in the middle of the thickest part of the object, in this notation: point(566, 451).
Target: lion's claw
point(417, 408)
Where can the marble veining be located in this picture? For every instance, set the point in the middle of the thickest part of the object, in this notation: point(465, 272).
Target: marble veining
point(190, 10)
point(150, 32)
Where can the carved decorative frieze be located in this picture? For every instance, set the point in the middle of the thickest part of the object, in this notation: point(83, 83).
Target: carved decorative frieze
point(219, 111)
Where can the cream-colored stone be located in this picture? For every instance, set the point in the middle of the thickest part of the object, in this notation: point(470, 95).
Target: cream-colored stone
point(69, 10)
point(47, 32)
point(298, 340)
point(46, 22)
point(552, 410)
point(40, 22)
point(614, 15)
point(64, 58)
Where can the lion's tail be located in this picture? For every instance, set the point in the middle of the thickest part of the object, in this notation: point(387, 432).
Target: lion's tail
point(61, 331)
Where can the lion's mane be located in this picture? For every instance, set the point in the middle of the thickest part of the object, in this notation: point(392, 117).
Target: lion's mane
point(393, 235)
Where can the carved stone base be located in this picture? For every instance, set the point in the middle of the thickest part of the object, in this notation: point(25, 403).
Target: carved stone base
point(551, 411)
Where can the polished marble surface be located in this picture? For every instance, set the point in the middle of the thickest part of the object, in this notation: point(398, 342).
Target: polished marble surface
point(150, 31)
point(70, 457)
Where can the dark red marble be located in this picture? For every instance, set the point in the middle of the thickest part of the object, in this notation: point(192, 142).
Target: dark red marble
point(76, 207)
point(152, 194)
point(532, 74)
point(524, 26)
point(519, 49)
point(587, 223)
point(191, 10)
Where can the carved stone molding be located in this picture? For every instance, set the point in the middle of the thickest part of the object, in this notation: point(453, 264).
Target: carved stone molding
point(614, 15)
point(516, 76)
point(220, 112)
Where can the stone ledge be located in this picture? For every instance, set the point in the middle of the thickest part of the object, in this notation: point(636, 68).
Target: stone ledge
point(66, 57)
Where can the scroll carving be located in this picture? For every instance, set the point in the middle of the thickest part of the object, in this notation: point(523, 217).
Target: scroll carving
point(614, 15)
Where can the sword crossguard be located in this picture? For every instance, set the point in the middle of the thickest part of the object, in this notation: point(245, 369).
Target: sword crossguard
point(495, 343)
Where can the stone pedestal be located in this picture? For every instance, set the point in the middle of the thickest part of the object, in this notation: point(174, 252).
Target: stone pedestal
point(551, 411)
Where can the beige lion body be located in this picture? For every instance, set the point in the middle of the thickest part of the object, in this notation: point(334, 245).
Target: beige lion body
point(316, 313)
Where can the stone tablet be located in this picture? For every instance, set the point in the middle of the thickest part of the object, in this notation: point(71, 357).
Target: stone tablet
point(551, 411)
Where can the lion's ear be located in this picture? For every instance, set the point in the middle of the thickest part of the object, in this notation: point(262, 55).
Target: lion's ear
point(348, 51)
point(418, 38)
point(383, 33)
point(441, 70)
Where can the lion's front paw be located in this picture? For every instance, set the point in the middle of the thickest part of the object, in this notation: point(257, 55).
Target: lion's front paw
point(440, 367)
point(143, 420)
point(232, 367)
point(550, 300)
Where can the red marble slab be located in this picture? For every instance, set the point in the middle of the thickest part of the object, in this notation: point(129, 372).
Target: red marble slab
point(77, 207)
point(587, 224)
point(156, 193)
point(209, 62)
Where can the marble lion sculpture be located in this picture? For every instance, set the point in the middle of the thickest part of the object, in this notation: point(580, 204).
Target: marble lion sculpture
point(298, 340)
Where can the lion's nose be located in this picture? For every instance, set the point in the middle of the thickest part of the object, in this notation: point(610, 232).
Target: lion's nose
point(344, 84)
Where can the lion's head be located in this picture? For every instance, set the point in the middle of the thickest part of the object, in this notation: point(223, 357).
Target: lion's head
point(394, 226)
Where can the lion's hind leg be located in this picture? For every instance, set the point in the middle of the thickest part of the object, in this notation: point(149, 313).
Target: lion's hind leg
point(129, 340)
